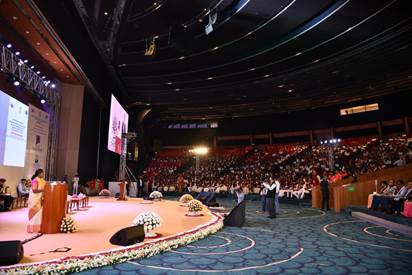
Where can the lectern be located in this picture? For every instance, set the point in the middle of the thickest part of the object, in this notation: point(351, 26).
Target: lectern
point(122, 195)
point(54, 207)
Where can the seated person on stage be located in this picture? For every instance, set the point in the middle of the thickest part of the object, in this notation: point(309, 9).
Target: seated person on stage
point(384, 198)
point(6, 200)
point(23, 189)
point(400, 198)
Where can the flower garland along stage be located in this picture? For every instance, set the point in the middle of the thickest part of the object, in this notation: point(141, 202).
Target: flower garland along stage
point(119, 255)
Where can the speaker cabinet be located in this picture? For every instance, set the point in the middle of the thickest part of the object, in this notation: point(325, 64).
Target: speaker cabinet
point(11, 252)
point(128, 236)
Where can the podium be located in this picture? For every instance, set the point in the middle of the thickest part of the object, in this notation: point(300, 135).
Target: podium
point(54, 207)
point(316, 197)
point(122, 195)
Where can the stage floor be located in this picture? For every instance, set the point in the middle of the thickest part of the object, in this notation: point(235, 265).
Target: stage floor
point(96, 224)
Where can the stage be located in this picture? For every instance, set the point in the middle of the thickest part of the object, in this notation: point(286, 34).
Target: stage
point(98, 222)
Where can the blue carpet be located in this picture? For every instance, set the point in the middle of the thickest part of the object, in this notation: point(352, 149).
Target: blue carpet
point(300, 241)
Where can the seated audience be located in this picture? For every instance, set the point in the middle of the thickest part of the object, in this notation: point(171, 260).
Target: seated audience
point(23, 188)
point(6, 200)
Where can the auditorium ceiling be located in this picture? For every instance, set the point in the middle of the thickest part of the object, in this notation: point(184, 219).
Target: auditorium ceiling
point(262, 57)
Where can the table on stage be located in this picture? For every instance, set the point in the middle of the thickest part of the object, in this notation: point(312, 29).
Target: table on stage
point(54, 207)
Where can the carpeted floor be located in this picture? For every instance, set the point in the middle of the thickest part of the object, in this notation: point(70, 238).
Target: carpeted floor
point(300, 241)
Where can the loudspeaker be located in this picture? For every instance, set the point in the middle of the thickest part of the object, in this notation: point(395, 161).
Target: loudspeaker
point(237, 216)
point(11, 252)
point(128, 236)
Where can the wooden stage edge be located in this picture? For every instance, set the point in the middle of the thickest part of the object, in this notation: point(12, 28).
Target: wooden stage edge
point(96, 224)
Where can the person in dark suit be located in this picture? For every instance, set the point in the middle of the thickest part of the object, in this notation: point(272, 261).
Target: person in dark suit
point(6, 200)
point(140, 186)
point(324, 184)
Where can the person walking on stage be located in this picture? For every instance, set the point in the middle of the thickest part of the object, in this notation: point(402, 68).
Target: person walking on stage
point(75, 182)
point(324, 184)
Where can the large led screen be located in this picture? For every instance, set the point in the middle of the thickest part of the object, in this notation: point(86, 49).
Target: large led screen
point(118, 124)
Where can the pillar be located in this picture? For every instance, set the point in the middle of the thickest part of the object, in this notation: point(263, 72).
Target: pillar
point(407, 126)
point(70, 120)
point(380, 131)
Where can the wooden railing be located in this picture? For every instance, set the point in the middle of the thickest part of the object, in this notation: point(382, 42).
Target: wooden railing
point(357, 193)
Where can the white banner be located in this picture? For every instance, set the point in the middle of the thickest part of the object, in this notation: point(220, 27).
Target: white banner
point(37, 140)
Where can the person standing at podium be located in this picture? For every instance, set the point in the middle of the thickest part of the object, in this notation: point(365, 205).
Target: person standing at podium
point(35, 202)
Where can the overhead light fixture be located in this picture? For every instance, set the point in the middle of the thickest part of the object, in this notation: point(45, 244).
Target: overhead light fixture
point(209, 78)
point(8, 46)
point(252, 69)
point(298, 53)
point(182, 57)
point(53, 85)
point(281, 86)
point(151, 48)
point(25, 61)
point(169, 83)
point(106, 13)
point(38, 72)
point(212, 20)
point(17, 53)
point(42, 101)
point(290, 90)
point(215, 48)
point(177, 90)
point(16, 83)
point(32, 67)
point(267, 75)
point(43, 77)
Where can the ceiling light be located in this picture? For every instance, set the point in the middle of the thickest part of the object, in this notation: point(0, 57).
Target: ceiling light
point(316, 61)
point(252, 69)
point(299, 53)
point(16, 83)
point(17, 53)
point(53, 86)
point(25, 61)
point(200, 20)
point(8, 46)
point(290, 90)
point(43, 77)
point(215, 48)
point(182, 57)
point(42, 101)
point(32, 67)
point(177, 90)
point(169, 83)
point(209, 78)
point(38, 72)
point(281, 86)
point(267, 75)
point(106, 13)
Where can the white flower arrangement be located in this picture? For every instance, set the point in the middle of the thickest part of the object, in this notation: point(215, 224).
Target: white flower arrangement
point(156, 195)
point(77, 264)
point(194, 206)
point(149, 220)
point(68, 225)
point(185, 198)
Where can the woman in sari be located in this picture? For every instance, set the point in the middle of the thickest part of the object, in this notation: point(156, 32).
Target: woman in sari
point(36, 201)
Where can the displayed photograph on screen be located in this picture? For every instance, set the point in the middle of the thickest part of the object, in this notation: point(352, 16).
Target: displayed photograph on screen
point(118, 124)
point(13, 131)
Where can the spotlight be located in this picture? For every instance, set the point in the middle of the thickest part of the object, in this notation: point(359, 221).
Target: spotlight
point(42, 101)
point(17, 53)
point(32, 67)
point(16, 83)
point(43, 77)
point(25, 61)
point(38, 72)
point(53, 86)
point(8, 46)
